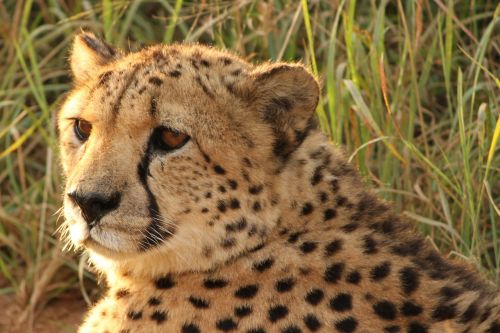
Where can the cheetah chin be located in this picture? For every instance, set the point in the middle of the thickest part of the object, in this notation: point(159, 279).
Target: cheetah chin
point(205, 194)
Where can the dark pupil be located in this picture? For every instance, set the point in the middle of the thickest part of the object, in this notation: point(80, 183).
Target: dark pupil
point(166, 139)
point(82, 129)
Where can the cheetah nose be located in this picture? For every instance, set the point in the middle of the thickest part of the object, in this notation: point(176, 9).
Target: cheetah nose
point(95, 205)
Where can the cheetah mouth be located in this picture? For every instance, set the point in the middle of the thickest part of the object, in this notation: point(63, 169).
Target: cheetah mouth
point(101, 239)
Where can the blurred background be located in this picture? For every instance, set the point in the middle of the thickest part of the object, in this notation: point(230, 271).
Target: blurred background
point(410, 87)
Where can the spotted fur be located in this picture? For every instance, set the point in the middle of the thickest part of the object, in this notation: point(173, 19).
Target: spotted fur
point(257, 224)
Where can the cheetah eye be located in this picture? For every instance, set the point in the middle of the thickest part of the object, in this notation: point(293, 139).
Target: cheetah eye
point(168, 139)
point(82, 129)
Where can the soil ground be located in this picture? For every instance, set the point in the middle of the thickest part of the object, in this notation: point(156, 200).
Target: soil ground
point(62, 315)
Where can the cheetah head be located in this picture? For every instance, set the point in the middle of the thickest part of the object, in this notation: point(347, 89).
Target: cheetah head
point(172, 154)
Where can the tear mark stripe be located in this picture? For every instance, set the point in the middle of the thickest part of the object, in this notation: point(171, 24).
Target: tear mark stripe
point(155, 232)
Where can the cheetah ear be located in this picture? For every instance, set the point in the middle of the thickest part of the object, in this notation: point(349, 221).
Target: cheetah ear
point(88, 55)
point(286, 95)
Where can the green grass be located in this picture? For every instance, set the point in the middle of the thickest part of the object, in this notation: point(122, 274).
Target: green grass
point(411, 88)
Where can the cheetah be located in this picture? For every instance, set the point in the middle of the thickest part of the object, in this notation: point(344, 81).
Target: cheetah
point(209, 200)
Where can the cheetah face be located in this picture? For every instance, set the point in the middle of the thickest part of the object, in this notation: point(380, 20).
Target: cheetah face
point(173, 150)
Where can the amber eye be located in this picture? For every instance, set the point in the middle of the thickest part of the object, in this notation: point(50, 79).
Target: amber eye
point(169, 139)
point(82, 129)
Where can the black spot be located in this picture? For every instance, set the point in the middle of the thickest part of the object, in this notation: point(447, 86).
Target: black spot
point(408, 248)
point(312, 322)
point(226, 61)
point(255, 189)
point(416, 328)
point(256, 206)
point(449, 293)
point(333, 273)
point(252, 231)
point(199, 303)
point(222, 189)
point(410, 309)
point(174, 73)
point(221, 206)
point(165, 282)
point(155, 80)
point(233, 184)
point(154, 301)
point(469, 314)
point(347, 325)
point(323, 197)
point(205, 63)
point(291, 329)
point(238, 225)
point(486, 314)
point(204, 210)
point(190, 328)
point(341, 201)
point(248, 291)
point(277, 312)
point(386, 227)
point(220, 170)
point(353, 277)
point(341, 302)
point(315, 296)
point(317, 176)
point(214, 283)
point(120, 293)
point(381, 271)
point(242, 311)
point(329, 214)
point(350, 227)
point(308, 247)
point(333, 247)
point(257, 248)
point(263, 265)
point(494, 327)
point(392, 329)
point(307, 208)
point(409, 279)
point(436, 267)
point(134, 315)
point(228, 242)
point(369, 245)
point(226, 324)
point(104, 77)
point(334, 184)
point(153, 107)
point(294, 236)
point(284, 285)
point(385, 310)
point(204, 87)
point(234, 203)
point(444, 312)
point(159, 316)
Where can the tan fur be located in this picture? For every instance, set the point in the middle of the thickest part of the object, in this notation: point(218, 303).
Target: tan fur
point(262, 210)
